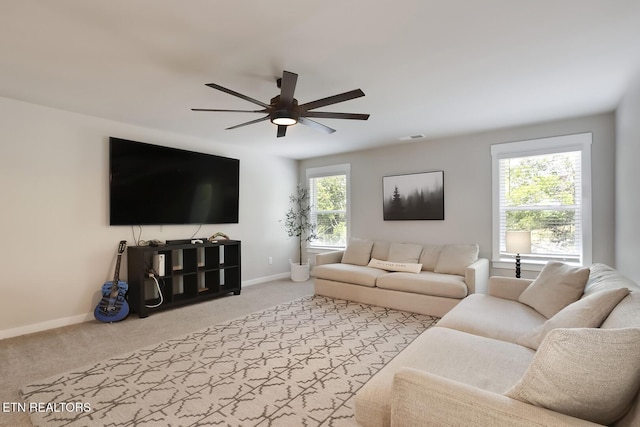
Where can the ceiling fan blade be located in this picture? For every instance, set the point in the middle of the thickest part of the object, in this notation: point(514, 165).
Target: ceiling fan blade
point(315, 125)
point(262, 119)
point(282, 131)
point(357, 93)
point(239, 95)
point(229, 111)
point(327, 115)
point(288, 87)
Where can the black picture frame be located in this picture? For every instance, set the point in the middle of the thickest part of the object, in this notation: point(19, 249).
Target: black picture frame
point(416, 196)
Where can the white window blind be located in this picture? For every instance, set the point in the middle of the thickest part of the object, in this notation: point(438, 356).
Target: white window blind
point(543, 187)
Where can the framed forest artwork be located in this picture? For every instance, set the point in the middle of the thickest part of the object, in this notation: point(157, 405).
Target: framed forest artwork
point(417, 196)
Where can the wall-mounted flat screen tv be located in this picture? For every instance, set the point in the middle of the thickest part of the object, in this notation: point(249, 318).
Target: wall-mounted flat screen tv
point(155, 185)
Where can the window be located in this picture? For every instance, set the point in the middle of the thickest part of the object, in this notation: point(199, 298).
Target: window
point(543, 188)
point(329, 191)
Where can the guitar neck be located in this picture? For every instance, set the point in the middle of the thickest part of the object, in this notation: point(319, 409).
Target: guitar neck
point(116, 276)
point(121, 248)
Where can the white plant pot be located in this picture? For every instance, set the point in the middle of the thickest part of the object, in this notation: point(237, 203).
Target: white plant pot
point(299, 272)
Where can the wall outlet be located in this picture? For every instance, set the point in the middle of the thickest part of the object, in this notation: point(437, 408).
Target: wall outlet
point(270, 260)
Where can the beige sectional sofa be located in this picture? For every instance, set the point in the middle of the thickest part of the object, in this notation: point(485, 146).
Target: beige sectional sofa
point(552, 352)
point(426, 279)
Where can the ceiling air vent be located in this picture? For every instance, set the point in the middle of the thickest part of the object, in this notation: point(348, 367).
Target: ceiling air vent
point(407, 138)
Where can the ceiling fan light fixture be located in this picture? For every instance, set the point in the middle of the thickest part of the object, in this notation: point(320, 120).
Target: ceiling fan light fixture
point(284, 121)
point(283, 118)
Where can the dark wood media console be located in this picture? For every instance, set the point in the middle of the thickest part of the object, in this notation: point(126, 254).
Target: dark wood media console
point(192, 273)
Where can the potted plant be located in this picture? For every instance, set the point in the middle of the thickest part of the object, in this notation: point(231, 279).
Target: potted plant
point(298, 223)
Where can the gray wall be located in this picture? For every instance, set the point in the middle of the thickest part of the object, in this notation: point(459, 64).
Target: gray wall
point(466, 162)
point(627, 180)
point(57, 246)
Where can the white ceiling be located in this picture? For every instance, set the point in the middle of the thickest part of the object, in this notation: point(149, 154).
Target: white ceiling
point(430, 67)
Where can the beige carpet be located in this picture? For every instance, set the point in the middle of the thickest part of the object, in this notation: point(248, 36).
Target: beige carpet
point(296, 364)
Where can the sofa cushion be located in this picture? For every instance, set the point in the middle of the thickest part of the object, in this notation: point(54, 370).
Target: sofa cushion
point(426, 282)
point(602, 277)
point(481, 362)
point(358, 252)
point(348, 273)
point(591, 373)
point(557, 286)
point(404, 252)
point(625, 314)
point(492, 317)
point(380, 250)
point(395, 266)
point(429, 257)
point(587, 312)
point(454, 259)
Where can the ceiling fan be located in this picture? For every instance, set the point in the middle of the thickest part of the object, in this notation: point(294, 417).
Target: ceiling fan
point(283, 110)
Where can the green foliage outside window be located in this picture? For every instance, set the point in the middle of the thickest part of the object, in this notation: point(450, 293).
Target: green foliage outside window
point(330, 206)
point(541, 197)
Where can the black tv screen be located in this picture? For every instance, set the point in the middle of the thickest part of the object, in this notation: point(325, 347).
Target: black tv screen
point(154, 185)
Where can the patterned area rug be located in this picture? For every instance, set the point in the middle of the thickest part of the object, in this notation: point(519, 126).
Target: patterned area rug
point(297, 364)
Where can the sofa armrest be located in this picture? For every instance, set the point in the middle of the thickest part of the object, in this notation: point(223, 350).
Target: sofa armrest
point(331, 257)
point(423, 399)
point(507, 287)
point(476, 276)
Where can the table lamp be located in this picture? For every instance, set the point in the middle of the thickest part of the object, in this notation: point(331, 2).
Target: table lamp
point(518, 242)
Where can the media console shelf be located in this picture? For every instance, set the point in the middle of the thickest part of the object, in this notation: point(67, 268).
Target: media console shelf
point(192, 273)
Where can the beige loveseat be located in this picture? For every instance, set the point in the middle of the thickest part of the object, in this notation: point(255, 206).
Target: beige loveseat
point(426, 279)
point(497, 360)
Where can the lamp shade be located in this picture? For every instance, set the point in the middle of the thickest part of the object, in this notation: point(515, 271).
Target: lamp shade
point(518, 242)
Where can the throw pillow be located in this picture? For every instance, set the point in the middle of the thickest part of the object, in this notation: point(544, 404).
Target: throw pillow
point(557, 286)
point(404, 252)
point(380, 249)
point(429, 257)
point(588, 312)
point(358, 252)
point(454, 259)
point(591, 373)
point(395, 266)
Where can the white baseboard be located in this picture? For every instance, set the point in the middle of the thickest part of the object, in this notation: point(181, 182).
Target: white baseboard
point(266, 279)
point(80, 318)
point(44, 326)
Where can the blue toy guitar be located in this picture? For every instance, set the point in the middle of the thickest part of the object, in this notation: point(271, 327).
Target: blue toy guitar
point(113, 305)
